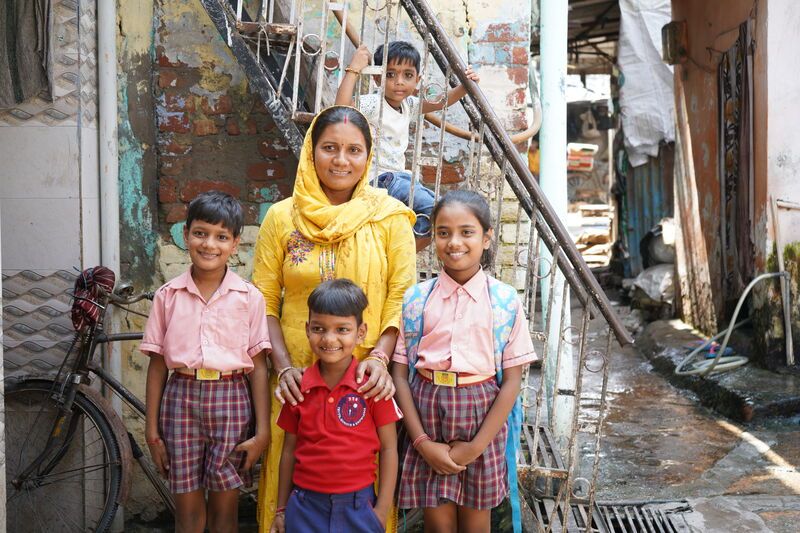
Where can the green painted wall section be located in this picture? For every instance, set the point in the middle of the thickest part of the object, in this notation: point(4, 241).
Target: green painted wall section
point(136, 138)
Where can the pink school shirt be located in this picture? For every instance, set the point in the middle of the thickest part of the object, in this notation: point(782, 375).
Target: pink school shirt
point(457, 330)
point(223, 334)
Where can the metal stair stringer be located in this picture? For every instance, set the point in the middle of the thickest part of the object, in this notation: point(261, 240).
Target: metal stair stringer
point(258, 77)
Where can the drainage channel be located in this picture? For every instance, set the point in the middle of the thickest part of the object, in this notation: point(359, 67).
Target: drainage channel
point(543, 475)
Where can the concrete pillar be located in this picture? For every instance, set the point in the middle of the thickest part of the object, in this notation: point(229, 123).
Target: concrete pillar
point(553, 181)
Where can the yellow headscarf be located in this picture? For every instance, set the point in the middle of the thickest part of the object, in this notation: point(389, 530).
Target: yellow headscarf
point(346, 228)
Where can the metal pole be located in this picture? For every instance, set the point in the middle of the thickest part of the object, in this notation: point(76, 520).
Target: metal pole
point(109, 177)
point(553, 181)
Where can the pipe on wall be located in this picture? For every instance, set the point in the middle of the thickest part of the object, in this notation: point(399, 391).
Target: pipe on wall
point(109, 159)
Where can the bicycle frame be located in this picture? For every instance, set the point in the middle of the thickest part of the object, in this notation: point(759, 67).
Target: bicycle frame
point(64, 392)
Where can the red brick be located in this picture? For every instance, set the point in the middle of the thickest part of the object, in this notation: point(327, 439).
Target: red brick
point(174, 122)
point(516, 97)
point(259, 107)
point(173, 147)
point(164, 61)
point(519, 55)
point(222, 106)
point(450, 173)
point(518, 75)
point(273, 149)
point(194, 187)
point(204, 126)
point(178, 102)
point(167, 190)
point(251, 126)
point(266, 171)
point(167, 78)
point(503, 32)
point(232, 126)
point(175, 213)
point(170, 165)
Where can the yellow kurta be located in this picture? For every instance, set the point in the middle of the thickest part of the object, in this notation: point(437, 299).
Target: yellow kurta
point(286, 270)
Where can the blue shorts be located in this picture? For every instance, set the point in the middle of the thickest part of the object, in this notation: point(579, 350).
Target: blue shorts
point(398, 185)
point(314, 512)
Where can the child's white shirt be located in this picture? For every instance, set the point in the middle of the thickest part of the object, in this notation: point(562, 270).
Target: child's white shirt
point(390, 149)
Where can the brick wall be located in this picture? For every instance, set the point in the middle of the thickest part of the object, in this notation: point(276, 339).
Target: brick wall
point(212, 133)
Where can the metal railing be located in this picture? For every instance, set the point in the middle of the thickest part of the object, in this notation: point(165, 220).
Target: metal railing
point(297, 73)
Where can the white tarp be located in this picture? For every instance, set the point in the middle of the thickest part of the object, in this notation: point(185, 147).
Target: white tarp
point(646, 93)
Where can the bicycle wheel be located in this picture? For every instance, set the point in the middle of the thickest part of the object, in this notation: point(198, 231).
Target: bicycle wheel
point(76, 485)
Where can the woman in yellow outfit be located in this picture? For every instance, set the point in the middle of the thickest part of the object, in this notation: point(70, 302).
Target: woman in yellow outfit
point(335, 225)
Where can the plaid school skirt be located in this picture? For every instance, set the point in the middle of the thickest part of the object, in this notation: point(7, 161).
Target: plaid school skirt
point(449, 414)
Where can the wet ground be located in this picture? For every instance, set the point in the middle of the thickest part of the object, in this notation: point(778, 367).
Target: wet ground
point(660, 444)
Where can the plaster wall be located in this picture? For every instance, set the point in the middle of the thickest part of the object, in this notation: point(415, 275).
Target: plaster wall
point(783, 87)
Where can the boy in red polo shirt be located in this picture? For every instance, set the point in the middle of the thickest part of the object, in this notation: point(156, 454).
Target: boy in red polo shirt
point(327, 468)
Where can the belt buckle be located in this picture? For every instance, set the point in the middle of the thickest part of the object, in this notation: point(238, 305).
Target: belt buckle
point(444, 378)
point(205, 374)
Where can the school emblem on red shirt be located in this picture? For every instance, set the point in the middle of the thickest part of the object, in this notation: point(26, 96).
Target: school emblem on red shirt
point(351, 410)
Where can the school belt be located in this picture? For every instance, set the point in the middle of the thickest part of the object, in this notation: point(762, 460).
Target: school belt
point(444, 378)
point(205, 374)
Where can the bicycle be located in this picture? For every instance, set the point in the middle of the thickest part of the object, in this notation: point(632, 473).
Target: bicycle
point(68, 453)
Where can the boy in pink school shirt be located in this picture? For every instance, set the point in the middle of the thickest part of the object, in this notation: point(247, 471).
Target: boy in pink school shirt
point(207, 326)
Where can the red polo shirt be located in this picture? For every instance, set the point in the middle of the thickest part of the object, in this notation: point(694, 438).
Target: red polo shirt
point(337, 433)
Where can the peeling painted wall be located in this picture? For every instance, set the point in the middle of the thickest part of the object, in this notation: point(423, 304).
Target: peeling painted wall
point(709, 26)
point(783, 165)
point(776, 158)
point(136, 134)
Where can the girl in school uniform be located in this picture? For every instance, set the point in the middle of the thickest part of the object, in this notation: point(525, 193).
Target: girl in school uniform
point(459, 361)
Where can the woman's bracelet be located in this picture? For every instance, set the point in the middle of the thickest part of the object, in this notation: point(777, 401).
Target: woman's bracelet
point(282, 371)
point(378, 359)
point(354, 71)
point(153, 442)
point(419, 440)
point(380, 355)
point(280, 510)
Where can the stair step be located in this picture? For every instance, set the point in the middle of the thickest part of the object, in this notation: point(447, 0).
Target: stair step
point(276, 29)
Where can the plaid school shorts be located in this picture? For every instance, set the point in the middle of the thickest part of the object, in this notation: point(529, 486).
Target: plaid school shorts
point(449, 414)
point(201, 423)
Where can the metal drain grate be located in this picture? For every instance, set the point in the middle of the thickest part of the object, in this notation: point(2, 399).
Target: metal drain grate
point(649, 517)
point(616, 517)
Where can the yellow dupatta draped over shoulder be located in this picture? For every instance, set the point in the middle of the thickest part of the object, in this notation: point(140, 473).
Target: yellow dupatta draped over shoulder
point(346, 230)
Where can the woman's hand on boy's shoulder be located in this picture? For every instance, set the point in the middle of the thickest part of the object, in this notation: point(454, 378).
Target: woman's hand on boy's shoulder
point(379, 386)
point(253, 448)
point(288, 388)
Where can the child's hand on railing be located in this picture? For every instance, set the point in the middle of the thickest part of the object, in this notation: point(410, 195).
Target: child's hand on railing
point(361, 58)
point(158, 451)
point(472, 75)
